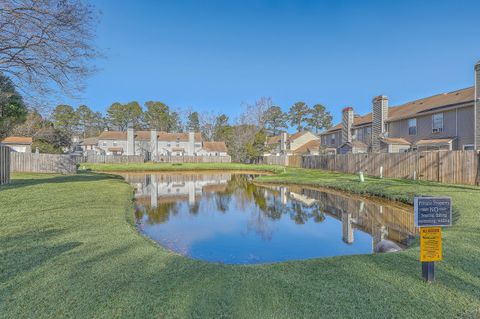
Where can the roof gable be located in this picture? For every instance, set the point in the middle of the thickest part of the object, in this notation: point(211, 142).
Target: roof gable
point(291, 137)
point(214, 146)
point(313, 145)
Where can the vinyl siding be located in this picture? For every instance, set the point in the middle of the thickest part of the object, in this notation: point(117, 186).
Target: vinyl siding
point(327, 138)
point(362, 134)
point(464, 130)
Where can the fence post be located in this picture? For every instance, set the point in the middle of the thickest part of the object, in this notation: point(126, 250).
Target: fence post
point(4, 165)
point(478, 169)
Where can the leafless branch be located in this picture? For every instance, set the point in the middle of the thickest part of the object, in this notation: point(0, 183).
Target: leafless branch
point(46, 46)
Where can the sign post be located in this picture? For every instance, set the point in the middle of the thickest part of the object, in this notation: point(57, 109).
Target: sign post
point(430, 214)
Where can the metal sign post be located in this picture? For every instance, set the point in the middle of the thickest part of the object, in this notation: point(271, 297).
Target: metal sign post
point(430, 214)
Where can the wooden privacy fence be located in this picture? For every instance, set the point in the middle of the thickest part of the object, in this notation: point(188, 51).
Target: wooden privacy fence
point(451, 167)
point(295, 161)
point(42, 163)
point(275, 160)
point(193, 159)
point(127, 159)
point(283, 160)
point(110, 159)
point(4, 165)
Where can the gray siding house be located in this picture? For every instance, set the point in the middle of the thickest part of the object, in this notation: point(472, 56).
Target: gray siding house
point(446, 121)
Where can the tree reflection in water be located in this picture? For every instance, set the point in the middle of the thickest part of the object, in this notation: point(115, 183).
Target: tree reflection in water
point(226, 217)
point(268, 205)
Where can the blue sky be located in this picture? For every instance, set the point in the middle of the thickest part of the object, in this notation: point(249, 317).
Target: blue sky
point(214, 55)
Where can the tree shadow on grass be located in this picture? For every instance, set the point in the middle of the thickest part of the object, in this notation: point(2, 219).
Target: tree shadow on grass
point(24, 252)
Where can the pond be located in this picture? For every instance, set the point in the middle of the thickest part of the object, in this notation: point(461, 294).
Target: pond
point(226, 217)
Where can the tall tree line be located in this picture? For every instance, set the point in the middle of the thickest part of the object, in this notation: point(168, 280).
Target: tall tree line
point(245, 136)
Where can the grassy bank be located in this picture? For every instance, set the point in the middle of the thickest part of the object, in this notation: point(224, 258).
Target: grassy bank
point(68, 248)
point(146, 167)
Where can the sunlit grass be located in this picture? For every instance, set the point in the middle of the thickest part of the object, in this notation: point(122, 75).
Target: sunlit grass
point(68, 248)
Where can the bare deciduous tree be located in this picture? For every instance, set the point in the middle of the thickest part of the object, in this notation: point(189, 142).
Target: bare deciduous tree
point(46, 45)
point(255, 113)
point(207, 125)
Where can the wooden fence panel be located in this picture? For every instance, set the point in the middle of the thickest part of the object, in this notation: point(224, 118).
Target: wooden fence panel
point(452, 167)
point(128, 159)
point(194, 159)
point(42, 163)
point(275, 160)
point(110, 159)
point(294, 161)
point(4, 165)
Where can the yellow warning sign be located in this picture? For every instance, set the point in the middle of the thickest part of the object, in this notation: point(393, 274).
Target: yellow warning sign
point(430, 244)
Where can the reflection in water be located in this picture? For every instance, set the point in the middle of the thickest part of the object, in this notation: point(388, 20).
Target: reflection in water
point(224, 217)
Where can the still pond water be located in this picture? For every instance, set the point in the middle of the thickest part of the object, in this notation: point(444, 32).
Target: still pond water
point(225, 217)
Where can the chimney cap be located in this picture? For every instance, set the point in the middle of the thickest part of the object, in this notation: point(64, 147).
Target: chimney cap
point(348, 108)
point(477, 66)
point(380, 97)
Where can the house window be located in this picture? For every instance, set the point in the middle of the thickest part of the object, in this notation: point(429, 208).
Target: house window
point(359, 134)
point(437, 123)
point(168, 144)
point(332, 139)
point(104, 143)
point(412, 127)
point(115, 143)
point(468, 147)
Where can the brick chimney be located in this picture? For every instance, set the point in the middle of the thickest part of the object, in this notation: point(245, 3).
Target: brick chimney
point(379, 118)
point(477, 106)
point(130, 141)
point(347, 121)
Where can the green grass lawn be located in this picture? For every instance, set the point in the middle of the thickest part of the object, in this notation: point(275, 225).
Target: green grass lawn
point(68, 248)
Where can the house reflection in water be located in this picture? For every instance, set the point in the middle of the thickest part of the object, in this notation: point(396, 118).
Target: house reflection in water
point(152, 190)
point(393, 222)
point(226, 217)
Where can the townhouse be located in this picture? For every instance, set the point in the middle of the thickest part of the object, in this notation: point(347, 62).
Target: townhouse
point(154, 143)
point(446, 121)
point(300, 143)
